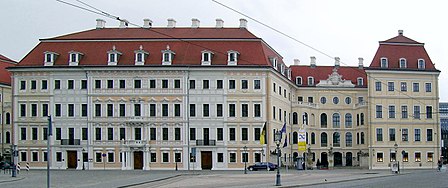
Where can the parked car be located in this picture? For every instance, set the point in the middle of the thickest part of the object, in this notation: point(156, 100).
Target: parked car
point(262, 166)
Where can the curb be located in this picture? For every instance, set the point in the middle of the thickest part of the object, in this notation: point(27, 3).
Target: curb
point(12, 180)
point(156, 180)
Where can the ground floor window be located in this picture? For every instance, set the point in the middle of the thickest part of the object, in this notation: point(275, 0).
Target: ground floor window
point(418, 157)
point(23, 156)
point(405, 157)
point(35, 156)
point(45, 157)
point(232, 157)
point(257, 157)
point(220, 157)
point(379, 157)
point(59, 156)
point(153, 157)
point(430, 157)
point(98, 157)
point(178, 157)
point(110, 157)
point(165, 157)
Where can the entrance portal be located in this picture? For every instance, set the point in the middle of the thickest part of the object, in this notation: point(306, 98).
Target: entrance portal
point(138, 160)
point(206, 160)
point(72, 159)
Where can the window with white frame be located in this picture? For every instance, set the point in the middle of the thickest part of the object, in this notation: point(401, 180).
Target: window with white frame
point(113, 56)
point(232, 57)
point(299, 80)
point(403, 63)
point(50, 58)
point(140, 56)
point(421, 64)
point(282, 69)
point(74, 58)
point(167, 56)
point(206, 57)
point(310, 81)
point(360, 81)
point(384, 62)
point(274, 63)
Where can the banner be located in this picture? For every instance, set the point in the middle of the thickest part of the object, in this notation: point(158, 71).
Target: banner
point(302, 140)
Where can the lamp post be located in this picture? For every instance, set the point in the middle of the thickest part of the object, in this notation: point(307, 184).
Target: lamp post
point(175, 157)
point(83, 162)
point(245, 159)
point(278, 138)
point(396, 158)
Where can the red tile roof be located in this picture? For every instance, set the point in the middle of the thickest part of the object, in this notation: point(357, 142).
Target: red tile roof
point(402, 47)
point(5, 75)
point(94, 44)
point(322, 72)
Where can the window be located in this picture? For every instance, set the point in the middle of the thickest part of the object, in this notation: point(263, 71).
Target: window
point(379, 157)
point(152, 133)
point(335, 100)
point(177, 84)
point(379, 111)
point(336, 139)
point(177, 110)
point(384, 63)
point(219, 84)
point(58, 110)
point(362, 138)
point(153, 157)
point(404, 112)
point(22, 85)
point(244, 134)
point(97, 133)
point(232, 57)
point(205, 84)
point(323, 100)
point(323, 139)
point(377, 86)
point(33, 84)
point(205, 110)
point(404, 135)
point(44, 110)
point(34, 156)
point(58, 133)
point(404, 86)
point(348, 100)
point(220, 134)
point(192, 84)
point(273, 112)
point(310, 81)
point(390, 86)
point(44, 84)
point(379, 134)
point(33, 110)
point(97, 110)
point(244, 110)
point(295, 118)
point(405, 157)
point(23, 133)
point(165, 157)
point(34, 133)
point(218, 110)
point(300, 99)
point(59, 156)
point(85, 133)
point(138, 133)
point(152, 110)
point(122, 133)
point(257, 110)
point(192, 110)
point(257, 133)
point(391, 111)
point(298, 80)
point(137, 110)
point(360, 81)
point(110, 157)
point(417, 135)
point(206, 57)
point(336, 120)
point(232, 157)
point(232, 134)
point(71, 110)
point(57, 84)
point(97, 84)
point(274, 87)
point(137, 84)
point(110, 84)
point(70, 84)
point(429, 135)
point(257, 84)
point(83, 84)
point(323, 120)
point(403, 63)
point(164, 133)
point(421, 64)
point(416, 112)
point(244, 84)
point(110, 133)
point(416, 87)
point(391, 134)
point(177, 133)
point(220, 157)
point(428, 87)
point(418, 157)
point(232, 110)
point(313, 138)
point(164, 110)
point(348, 120)
point(152, 84)
point(430, 157)
point(310, 99)
point(164, 84)
point(122, 109)
point(429, 112)
point(232, 84)
point(393, 156)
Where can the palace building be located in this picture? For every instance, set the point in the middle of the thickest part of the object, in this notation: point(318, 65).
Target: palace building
point(5, 108)
point(199, 98)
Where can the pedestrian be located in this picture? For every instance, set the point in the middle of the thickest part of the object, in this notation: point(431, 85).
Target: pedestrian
point(439, 165)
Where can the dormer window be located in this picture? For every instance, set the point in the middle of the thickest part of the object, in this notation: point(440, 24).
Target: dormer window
point(289, 73)
point(360, 81)
point(207, 57)
point(140, 56)
point(113, 56)
point(403, 63)
point(384, 62)
point(299, 80)
point(50, 58)
point(167, 56)
point(232, 57)
point(274, 63)
point(282, 69)
point(74, 58)
point(310, 81)
point(421, 64)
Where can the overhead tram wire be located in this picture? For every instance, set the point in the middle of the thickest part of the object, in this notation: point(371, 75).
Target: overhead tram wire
point(309, 46)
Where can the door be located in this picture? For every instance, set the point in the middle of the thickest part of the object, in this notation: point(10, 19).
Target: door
point(138, 160)
point(337, 159)
point(206, 160)
point(206, 136)
point(348, 159)
point(72, 159)
point(324, 159)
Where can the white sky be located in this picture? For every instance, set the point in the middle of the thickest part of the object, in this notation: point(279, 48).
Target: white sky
point(344, 28)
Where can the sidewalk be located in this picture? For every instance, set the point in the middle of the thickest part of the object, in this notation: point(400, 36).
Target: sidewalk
point(5, 176)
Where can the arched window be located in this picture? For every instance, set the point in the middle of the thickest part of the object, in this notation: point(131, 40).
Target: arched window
point(421, 64)
point(310, 81)
point(8, 137)
point(8, 118)
point(384, 62)
point(362, 118)
point(313, 138)
point(323, 120)
point(348, 139)
point(295, 118)
point(294, 137)
point(323, 139)
point(360, 81)
point(306, 134)
point(336, 120)
point(336, 139)
point(362, 137)
point(403, 63)
point(348, 120)
point(299, 80)
point(305, 118)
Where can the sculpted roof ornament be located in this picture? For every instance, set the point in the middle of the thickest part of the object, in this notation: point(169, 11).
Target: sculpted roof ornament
point(335, 80)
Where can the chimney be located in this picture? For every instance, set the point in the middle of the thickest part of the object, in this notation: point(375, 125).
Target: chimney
point(336, 62)
point(243, 23)
point(123, 24)
point(313, 62)
point(296, 62)
point(147, 23)
point(100, 23)
point(400, 32)
point(360, 64)
point(219, 23)
point(195, 23)
point(171, 23)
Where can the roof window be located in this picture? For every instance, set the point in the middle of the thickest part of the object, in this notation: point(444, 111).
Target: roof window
point(50, 58)
point(140, 56)
point(113, 56)
point(167, 56)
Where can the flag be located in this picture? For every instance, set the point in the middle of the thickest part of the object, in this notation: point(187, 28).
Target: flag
point(284, 128)
point(263, 135)
point(285, 144)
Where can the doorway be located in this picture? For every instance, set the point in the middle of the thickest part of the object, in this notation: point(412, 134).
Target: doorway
point(72, 159)
point(138, 160)
point(337, 159)
point(348, 159)
point(206, 160)
point(324, 159)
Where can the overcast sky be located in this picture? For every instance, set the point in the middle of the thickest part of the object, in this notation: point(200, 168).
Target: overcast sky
point(341, 28)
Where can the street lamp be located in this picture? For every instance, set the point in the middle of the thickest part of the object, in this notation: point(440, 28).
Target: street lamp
point(245, 159)
point(277, 139)
point(396, 154)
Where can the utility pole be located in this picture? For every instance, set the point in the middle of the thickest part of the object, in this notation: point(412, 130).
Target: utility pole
point(49, 133)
